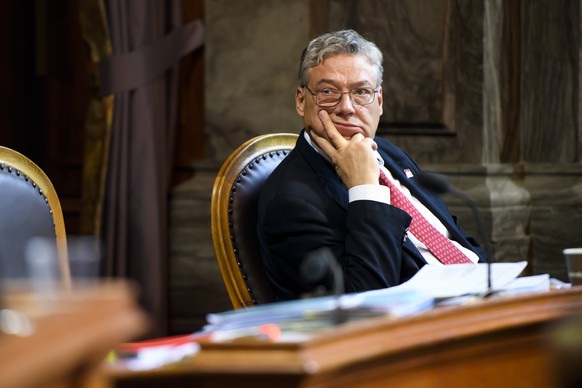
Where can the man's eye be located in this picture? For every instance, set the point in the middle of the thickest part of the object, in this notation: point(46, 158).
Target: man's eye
point(327, 92)
point(361, 92)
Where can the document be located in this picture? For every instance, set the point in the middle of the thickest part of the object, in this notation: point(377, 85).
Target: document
point(388, 302)
point(444, 281)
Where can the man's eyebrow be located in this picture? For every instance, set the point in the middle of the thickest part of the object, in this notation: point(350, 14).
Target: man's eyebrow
point(353, 85)
point(331, 81)
point(326, 81)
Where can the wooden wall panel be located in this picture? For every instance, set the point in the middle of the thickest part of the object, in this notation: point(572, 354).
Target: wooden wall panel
point(433, 74)
point(45, 87)
point(190, 137)
point(550, 81)
point(18, 91)
point(418, 41)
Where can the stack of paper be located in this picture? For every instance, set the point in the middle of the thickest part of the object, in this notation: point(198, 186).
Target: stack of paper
point(315, 312)
point(431, 283)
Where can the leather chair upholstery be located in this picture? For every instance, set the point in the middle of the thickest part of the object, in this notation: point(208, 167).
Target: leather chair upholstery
point(29, 208)
point(234, 216)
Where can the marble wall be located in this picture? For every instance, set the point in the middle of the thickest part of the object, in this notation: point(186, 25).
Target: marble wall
point(484, 91)
point(252, 53)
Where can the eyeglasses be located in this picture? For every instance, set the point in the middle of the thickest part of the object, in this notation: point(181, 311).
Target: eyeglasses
point(328, 97)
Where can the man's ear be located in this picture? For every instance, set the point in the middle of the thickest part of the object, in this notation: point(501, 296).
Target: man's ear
point(300, 101)
point(380, 100)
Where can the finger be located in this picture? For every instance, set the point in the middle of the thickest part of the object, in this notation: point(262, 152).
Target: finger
point(335, 138)
point(372, 144)
point(323, 144)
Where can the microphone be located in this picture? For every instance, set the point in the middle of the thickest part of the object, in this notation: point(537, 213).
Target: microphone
point(316, 265)
point(439, 184)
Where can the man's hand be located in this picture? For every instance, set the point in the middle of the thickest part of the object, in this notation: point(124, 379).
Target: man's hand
point(353, 159)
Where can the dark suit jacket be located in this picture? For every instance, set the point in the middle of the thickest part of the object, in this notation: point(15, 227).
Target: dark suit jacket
point(304, 206)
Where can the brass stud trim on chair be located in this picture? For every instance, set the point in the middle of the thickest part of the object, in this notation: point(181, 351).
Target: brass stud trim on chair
point(23, 176)
point(238, 181)
point(255, 159)
point(235, 184)
point(25, 169)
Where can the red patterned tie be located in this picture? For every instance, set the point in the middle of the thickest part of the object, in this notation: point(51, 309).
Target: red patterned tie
point(439, 245)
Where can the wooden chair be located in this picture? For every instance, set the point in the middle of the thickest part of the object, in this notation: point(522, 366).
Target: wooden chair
point(29, 208)
point(234, 216)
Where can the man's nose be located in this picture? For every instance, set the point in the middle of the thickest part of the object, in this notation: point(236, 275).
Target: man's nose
point(346, 104)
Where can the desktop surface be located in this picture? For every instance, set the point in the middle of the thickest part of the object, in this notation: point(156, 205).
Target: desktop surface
point(498, 341)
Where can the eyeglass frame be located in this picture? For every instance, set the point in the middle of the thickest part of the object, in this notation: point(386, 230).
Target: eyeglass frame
point(349, 92)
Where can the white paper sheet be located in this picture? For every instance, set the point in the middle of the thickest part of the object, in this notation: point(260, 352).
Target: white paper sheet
point(442, 281)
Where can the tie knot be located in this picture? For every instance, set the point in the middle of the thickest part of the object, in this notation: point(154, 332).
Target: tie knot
point(383, 179)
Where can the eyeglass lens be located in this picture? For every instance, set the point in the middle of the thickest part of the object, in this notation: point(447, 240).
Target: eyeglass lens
point(331, 97)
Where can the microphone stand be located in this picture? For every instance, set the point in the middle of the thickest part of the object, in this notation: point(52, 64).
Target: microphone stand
point(481, 232)
point(440, 185)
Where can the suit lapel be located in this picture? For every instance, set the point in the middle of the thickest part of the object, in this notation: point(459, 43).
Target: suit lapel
point(328, 178)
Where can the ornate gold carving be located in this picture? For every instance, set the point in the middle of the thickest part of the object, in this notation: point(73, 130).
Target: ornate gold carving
point(98, 121)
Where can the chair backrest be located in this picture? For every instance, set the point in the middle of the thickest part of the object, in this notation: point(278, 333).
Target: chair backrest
point(29, 208)
point(235, 198)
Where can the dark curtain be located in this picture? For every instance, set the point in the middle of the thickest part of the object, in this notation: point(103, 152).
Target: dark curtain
point(147, 41)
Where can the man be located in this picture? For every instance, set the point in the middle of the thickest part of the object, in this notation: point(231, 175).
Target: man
point(327, 193)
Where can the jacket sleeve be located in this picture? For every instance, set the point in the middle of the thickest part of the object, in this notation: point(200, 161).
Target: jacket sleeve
point(368, 248)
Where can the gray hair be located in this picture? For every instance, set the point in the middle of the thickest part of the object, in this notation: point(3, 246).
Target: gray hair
point(334, 43)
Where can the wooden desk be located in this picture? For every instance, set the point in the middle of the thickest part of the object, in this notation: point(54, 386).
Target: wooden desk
point(499, 342)
point(72, 333)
